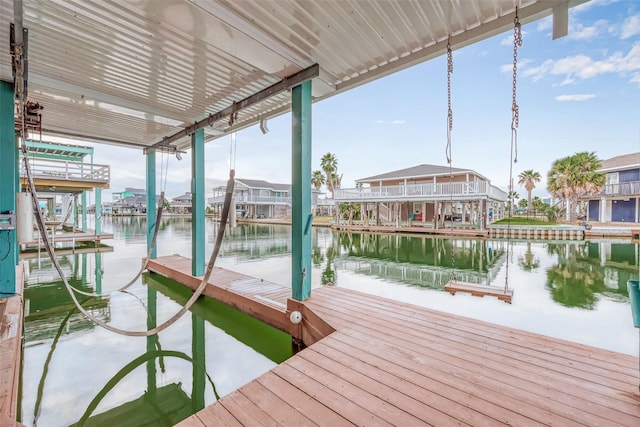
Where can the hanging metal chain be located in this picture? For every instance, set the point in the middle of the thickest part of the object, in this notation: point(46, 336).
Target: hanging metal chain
point(449, 157)
point(515, 122)
point(449, 111)
point(515, 109)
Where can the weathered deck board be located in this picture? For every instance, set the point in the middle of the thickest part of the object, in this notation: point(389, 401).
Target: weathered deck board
point(479, 290)
point(11, 318)
point(376, 361)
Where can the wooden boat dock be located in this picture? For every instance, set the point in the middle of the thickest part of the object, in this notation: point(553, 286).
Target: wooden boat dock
point(374, 361)
point(11, 320)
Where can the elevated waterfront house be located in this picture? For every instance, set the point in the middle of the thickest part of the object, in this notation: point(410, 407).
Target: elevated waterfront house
point(619, 200)
point(256, 198)
point(131, 201)
point(426, 195)
point(64, 175)
point(181, 205)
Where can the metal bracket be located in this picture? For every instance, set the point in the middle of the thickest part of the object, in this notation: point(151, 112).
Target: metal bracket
point(7, 221)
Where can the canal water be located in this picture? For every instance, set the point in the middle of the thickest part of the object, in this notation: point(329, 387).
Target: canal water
point(75, 373)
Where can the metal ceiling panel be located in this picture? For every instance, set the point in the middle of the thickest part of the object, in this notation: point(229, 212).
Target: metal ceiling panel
point(135, 71)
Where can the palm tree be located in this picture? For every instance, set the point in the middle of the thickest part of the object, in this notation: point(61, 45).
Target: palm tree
point(511, 200)
point(573, 177)
point(317, 179)
point(529, 178)
point(329, 165)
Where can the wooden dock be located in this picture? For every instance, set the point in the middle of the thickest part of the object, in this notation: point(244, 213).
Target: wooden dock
point(413, 229)
point(374, 361)
point(11, 319)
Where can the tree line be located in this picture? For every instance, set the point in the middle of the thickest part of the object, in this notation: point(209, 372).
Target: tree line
point(569, 179)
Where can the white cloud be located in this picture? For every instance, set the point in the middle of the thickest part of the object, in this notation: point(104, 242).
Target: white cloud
point(635, 79)
point(580, 32)
point(576, 97)
point(391, 122)
point(586, 6)
point(508, 68)
point(584, 67)
point(545, 23)
point(630, 27)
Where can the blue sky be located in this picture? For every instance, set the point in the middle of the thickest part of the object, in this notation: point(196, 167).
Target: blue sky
point(577, 93)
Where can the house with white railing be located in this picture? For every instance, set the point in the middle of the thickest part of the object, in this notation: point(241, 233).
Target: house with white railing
point(426, 195)
point(258, 199)
point(619, 199)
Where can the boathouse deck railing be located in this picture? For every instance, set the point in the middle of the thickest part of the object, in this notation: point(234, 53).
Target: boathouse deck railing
point(266, 200)
point(622, 189)
point(67, 170)
point(458, 190)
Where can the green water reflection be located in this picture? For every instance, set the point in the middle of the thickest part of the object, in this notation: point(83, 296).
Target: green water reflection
point(162, 379)
point(585, 270)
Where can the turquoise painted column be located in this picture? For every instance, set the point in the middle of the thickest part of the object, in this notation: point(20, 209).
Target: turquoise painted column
point(98, 273)
point(152, 340)
point(197, 203)
point(199, 363)
point(98, 211)
point(301, 216)
point(9, 179)
point(84, 211)
point(151, 199)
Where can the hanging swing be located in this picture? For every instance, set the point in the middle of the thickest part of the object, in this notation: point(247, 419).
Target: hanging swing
point(505, 294)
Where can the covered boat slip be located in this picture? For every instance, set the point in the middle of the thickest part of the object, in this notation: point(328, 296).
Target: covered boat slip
point(375, 361)
point(168, 76)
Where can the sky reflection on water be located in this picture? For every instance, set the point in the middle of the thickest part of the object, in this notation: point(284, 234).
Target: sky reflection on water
point(571, 290)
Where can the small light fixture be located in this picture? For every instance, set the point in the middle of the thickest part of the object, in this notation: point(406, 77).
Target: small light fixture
point(263, 126)
point(295, 317)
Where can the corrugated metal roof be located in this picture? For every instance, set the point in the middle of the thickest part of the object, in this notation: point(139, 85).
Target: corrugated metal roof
point(137, 71)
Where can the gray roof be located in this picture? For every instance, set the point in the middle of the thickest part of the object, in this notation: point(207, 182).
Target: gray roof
point(185, 196)
point(257, 183)
point(624, 161)
point(419, 171)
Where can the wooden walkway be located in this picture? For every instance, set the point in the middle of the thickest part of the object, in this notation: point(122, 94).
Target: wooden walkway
point(415, 229)
point(374, 361)
point(11, 319)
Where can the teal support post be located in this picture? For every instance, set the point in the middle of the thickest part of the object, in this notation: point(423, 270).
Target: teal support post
point(9, 179)
point(301, 216)
point(151, 200)
point(98, 273)
point(152, 341)
point(633, 286)
point(98, 211)
point(84, 211)
point(199, 362)
point(197, 203)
